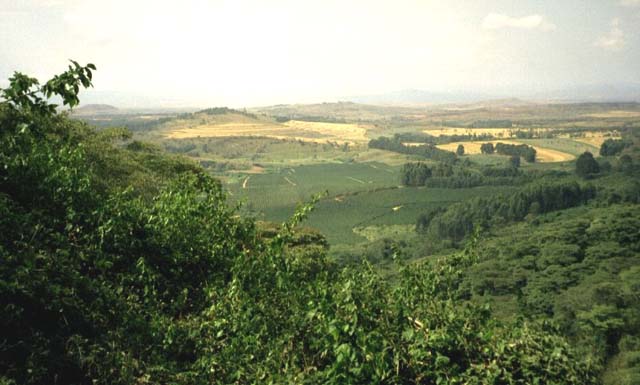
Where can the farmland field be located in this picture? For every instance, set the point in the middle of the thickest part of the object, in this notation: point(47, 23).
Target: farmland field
point(359, 195)
point(341, 220)
point(572, 146)
point(318, 132)
point(544, 153)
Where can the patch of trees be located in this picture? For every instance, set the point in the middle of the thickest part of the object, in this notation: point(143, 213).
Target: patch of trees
point(217, 111)
point(492, 123)
point(309, 118)
point(428, 151)
point(415, 174)
point(131, 122)
point(579, 268)
point(530, 134)
point(411, 137)
point(226, 110)
point(586, 165)
point(445, 175)
point(519, 150)
point(487, 148)
point(612, 147)
point(460, 219)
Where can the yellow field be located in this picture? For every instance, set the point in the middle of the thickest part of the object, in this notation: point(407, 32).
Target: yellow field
point(339, 131)
point(543, 155)
point(297, 130)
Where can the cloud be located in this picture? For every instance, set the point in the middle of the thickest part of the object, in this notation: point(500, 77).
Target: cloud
point(614, 39)
point(498, 21)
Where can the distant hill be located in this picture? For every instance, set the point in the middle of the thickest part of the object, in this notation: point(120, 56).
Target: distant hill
point(337, 111)
point(420, 97)
point(598, 93)
point(95, 109)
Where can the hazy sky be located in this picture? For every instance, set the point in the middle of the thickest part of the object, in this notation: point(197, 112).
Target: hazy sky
point(256, 52)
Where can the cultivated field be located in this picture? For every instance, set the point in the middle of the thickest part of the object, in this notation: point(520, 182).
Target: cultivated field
point(318, 132)
point(543, 154)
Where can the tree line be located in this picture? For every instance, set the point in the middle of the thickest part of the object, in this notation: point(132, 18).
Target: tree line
point(459, 219)
point(446, 175)
point(527, 152)
point(612, 147)
point(428, 151)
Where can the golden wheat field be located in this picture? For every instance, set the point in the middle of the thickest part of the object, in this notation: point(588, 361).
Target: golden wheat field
point(344, 132)
point(307, 131)
point(543, 155)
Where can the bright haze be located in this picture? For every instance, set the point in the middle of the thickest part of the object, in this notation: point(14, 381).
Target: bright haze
point(257, 52)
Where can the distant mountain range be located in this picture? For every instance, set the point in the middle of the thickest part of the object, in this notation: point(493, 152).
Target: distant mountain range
point(586, 93)
point(103, 101)
point(95, 109)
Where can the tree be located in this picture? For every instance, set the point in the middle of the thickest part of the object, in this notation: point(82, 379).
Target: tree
point(586, 165)
point(415, 174)
point(612, 147)
point(487, 148)
point(460, 150)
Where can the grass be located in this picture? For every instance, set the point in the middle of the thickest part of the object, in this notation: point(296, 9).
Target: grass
point(359, 195)
point(565, 145)
point(338, 215)
point(283, 187)
point(338, 219)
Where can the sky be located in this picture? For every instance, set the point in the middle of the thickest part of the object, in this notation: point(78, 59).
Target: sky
point(261, 52)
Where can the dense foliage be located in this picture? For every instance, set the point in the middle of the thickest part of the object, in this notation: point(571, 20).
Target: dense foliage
point(611, 147)
point(445, 175)
point(586, 165)
point(413, 137)
point(579, 268)
point(487, 148)
point(490, 123)
point(459, 219)
point(520, 150)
